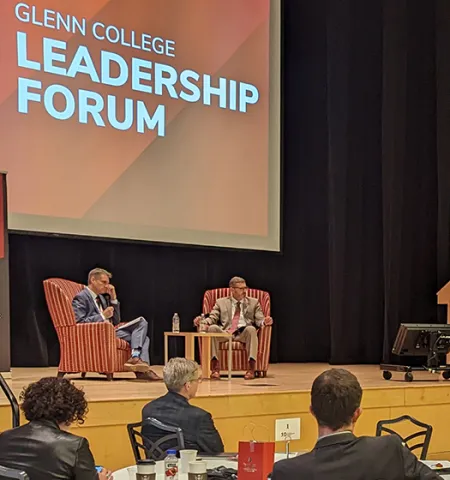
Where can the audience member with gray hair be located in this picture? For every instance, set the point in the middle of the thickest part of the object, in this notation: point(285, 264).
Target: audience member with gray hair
point(182, 378)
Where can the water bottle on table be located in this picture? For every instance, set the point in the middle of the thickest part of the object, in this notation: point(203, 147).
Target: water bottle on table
point(176, 323)
point(171, 465)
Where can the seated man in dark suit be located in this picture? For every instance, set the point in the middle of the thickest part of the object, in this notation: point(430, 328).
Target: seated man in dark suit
point(98, 303)
point(181, 377)
point(339, 454)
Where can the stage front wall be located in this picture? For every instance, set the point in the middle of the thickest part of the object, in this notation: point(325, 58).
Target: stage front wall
point(236, 415)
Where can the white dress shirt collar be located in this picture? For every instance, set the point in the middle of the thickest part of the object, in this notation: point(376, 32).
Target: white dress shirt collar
point(234, 301)
point(335, 433)
point(93, 294)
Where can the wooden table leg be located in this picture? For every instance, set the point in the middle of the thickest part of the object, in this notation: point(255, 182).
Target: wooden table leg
point(206, 357)
point(166, 349)
point(189, 347)
point(230, 357)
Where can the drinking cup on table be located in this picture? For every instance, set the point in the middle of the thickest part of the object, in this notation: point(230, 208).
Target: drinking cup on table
point(187, 456)
point(146, 470)
point(197, 471)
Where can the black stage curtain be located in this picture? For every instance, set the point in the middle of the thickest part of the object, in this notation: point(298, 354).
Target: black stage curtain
point(366, 201)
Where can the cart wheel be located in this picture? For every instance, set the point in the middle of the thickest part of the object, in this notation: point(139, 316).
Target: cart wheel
point(446, 374)
point(409, 377)
point(387, 375)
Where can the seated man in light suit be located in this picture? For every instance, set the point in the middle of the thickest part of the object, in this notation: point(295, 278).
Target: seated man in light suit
point(241, 316)
point(98, 303)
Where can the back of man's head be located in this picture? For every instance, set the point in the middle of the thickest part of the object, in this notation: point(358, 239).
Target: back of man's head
point(178, 372)
point(335, 396)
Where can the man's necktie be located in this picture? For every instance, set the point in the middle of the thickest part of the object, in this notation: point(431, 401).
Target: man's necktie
point(99, 303)
point(236, 317)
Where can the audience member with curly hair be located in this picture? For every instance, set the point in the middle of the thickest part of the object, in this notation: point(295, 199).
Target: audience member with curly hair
point(44, 448)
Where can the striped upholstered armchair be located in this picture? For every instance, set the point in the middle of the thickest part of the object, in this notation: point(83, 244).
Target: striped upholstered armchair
point(86, 347)
point(239, 354)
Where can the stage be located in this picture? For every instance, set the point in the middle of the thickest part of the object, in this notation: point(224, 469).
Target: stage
point(240, 407)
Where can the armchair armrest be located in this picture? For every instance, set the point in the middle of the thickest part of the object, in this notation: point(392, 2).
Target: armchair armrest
point(265, 328)
point(88, 347)
point(99, 336)
point(104, 330)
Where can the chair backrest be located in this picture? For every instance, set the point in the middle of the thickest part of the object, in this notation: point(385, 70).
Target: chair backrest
point(59, 294)
point(210, 297)
point(155, 450)
point(12, 401)
point(425, 432)
point(12, 473)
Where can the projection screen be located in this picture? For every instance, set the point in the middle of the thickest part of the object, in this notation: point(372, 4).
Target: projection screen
point(153, 120)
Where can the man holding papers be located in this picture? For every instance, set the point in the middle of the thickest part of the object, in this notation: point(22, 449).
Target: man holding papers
point(98, 303)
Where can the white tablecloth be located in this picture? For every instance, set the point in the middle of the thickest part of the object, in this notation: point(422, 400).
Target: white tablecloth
point(129, 473)
point(124, 474)
point(212, 462)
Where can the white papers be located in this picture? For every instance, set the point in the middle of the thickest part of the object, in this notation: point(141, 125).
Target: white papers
point(128, 324)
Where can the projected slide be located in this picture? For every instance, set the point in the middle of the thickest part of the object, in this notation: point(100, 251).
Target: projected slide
point(154, 120)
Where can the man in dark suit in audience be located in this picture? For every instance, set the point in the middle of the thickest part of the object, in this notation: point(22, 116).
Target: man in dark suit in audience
point(339, 454)
point(182, 377)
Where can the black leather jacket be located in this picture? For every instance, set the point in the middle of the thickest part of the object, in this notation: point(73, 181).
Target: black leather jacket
point(45, 452)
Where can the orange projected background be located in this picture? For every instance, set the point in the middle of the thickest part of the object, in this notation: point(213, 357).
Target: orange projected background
point(209, 174)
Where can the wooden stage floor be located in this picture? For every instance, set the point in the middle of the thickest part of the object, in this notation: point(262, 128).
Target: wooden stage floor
point(281, 378)
point(241, 407)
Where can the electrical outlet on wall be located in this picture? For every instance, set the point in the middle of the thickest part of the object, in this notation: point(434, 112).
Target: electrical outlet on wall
point(287, 429)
